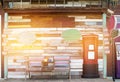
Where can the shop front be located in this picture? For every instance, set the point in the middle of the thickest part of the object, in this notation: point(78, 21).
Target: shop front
point(52, 45)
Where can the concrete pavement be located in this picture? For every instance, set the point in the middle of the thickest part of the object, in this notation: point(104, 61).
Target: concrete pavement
point(117, 80)
point(59, 80)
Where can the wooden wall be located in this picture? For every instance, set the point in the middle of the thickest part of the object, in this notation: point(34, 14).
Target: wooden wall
point(48, 20)
point(47, 29)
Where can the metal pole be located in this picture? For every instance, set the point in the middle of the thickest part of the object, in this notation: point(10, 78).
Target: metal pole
point(114, 33)
point(113, 59)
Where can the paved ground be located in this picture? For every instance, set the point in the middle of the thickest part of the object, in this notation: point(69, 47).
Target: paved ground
point(60, 80)
point(117, 80)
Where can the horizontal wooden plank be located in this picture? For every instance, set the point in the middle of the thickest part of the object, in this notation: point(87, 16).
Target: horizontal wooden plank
point(19, 26)
point(48, 35)
point(19, 69)
point(18, 23)
point(19, 20)
point(56, 10)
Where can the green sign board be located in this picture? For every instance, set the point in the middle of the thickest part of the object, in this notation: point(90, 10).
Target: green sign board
point(71, 35)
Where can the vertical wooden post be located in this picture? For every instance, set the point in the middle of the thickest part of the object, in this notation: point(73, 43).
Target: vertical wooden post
point(0, 43)
point(1, 30)
point(5, 56)
point(104, 55)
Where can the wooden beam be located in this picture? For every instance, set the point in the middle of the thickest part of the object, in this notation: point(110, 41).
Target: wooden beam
point(58, 10)
point(2, 56)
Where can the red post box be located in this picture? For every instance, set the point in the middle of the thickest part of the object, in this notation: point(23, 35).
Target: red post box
point(90, 56)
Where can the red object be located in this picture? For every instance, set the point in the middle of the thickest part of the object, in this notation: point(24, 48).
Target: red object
point(90, 49)
point(111, 23)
